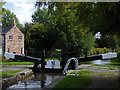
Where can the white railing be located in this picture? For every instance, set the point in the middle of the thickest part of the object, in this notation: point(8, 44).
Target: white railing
point(67, 64)
point(109, 55)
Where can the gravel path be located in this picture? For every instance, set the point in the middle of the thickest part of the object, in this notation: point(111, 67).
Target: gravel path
point(15, 67)
point(102, 77)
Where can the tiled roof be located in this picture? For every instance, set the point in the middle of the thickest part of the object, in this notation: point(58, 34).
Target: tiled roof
point(5, 29)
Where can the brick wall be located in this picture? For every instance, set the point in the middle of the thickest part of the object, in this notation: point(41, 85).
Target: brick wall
point(14, 45)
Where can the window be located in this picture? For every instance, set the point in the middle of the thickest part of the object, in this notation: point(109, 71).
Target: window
point(10, 37)
point(19, 37)
point(8, 49)
point(21, 50)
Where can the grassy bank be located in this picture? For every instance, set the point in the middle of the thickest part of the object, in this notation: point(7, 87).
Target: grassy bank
point(73, 82)
point(6, 74)
point(114, 66)
point(82, 72)
point(16, 63)
point(81, 81)
point(116, 61)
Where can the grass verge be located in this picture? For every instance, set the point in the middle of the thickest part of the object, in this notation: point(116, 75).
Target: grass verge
point(116, 61)
point(16, 63)
point(6, 74)
point(82, 72)
point(73, 82)
point(115, 66)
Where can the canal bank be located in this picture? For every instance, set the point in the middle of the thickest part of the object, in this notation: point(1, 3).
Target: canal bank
point(101, 76)
point(10, 80)
point(40, 80)
point(26, 78)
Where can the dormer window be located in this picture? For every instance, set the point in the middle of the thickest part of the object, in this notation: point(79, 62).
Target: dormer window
point(10, 37)
point(19, 37)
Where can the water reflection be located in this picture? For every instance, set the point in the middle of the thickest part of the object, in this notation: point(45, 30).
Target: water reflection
point(37, 80)
point(101, 62)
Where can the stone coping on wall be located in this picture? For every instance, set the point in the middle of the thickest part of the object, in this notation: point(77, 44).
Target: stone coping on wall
point(14, 79)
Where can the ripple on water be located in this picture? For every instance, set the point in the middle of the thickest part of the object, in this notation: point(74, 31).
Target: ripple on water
point(37, 81)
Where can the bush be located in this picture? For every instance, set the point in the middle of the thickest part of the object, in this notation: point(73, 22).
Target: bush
point(97, 51)
point(108, 41)
point(116, 61)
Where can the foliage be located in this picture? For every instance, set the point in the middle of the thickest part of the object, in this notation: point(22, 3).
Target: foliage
point(88, 41)
point(108, 41)
point(70, 27)
point(116, 61)
point(73, 82)
point(103, 17)
point(96, 51)
point(8, 18)
point(41, 16)
point(61, 32)
point(37, 35)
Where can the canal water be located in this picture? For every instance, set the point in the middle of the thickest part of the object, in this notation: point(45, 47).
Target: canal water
point(35, 81)
point(101, 62)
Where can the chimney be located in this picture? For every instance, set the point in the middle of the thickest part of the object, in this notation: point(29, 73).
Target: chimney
point(14, 24)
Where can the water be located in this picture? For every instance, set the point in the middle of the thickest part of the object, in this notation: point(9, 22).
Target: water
point(101, 62)
point(35, 81)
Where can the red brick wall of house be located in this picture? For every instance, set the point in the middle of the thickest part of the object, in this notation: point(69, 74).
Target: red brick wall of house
point(14, 45)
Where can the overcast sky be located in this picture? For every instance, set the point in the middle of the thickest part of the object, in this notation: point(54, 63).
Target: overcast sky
point(23, 9)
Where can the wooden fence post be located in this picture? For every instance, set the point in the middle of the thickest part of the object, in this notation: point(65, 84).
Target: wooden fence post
point(85, 53)
point(43, 59)
point(25, 55)
point(64, 59)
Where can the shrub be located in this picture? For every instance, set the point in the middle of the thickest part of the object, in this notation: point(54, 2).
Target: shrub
point(97, 51)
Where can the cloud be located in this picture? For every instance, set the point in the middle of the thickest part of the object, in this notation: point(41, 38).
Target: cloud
point(25, 6)
point(22, 9)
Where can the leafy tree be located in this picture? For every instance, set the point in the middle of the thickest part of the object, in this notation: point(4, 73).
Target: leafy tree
point(41, 16)
point(8, 19)
point(64, 20)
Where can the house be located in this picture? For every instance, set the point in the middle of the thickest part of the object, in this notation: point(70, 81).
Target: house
point(12, 39)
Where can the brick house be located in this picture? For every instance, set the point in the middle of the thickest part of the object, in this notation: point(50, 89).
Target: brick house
point(12, 39)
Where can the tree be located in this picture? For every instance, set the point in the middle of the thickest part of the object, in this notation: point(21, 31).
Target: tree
point(1, 11)
point(63, 19)
point(41, 16)
point(8, 19)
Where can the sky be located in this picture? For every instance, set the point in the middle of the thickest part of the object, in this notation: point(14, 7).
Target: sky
point(23, 9)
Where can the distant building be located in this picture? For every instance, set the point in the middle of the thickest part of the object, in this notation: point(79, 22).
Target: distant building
point(98, 35)
point(12, 39)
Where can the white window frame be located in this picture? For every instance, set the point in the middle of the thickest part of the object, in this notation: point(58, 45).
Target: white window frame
point(19, 37)
point(10, 37)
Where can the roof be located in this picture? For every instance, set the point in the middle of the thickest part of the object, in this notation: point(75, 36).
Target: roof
point(5, 29)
